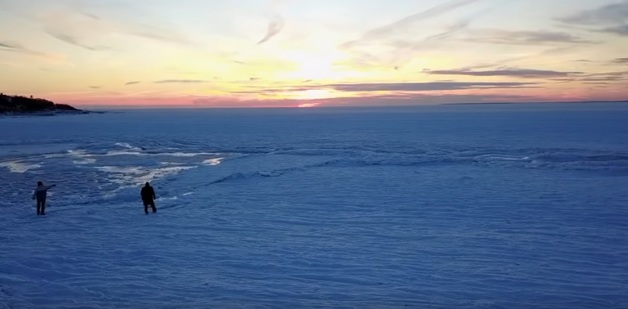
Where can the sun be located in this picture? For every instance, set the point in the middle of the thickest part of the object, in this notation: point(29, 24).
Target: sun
point(313, 94)
point(315, 68)
point(312, 66)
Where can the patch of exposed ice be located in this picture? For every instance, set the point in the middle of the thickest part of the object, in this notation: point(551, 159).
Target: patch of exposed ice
point(19, 167)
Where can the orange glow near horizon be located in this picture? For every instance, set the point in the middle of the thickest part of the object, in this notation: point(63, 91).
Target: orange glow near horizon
point(309, 105)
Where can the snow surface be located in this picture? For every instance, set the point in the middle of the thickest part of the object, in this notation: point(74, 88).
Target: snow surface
point(483, 206)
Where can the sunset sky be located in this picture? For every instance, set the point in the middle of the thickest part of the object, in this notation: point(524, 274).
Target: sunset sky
point(265, 53)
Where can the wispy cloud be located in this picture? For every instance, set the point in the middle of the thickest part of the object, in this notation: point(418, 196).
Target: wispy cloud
point(157, 34)
point(620, 61)
point(132, 83)
point(400, 50)
point(405, 50)
point(619, 30)
point(427, 86)
point(275, 24)
point(8, 46)
point(611, 13)
point(508, 62)
point(76, 24)
point(90, 15)
point(14, 47)
point(605, 77)
point(95, 87)
point(180, 81)
point(67, 38)
point(609, 18)
point(431, 98)
point(398, 42)
point(526, 37)
point(403, 24)
point(274, 27)
point(508, 72)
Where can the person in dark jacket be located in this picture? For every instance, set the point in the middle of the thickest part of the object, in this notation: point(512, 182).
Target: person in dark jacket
point(148, 197)
point(40, 194)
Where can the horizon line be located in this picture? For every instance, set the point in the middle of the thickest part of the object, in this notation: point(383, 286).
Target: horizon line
point(125, 107)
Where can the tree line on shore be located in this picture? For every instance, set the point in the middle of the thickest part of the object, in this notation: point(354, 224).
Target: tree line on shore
point(22, 105)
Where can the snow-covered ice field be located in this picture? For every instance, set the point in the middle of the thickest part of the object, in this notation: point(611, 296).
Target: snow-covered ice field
point(480, 206)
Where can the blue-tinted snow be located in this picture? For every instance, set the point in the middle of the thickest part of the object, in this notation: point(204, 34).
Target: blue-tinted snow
point(483, 206)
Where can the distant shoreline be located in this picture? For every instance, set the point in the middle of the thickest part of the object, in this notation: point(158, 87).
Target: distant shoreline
point(12, 105)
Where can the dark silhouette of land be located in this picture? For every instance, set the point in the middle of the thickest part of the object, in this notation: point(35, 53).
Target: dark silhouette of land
point(19, 105)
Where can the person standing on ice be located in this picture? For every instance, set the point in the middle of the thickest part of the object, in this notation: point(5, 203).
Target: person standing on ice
point(40, 194)
point(148, 197)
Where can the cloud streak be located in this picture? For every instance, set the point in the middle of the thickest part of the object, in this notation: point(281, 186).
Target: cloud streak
point(604, 77)
point(510, 72)
point(427, 86)
point(405, 50)
point(400, 87)
point(398, 42)
point(11, 47)
point(611, 13)
point(609, 18)
point(620, 61)
point(180, 81)
point(75, 25)
point(500, 64)
point(527, 37)
point(67, 38)
point(275, 26)
point(156, 34)
point(402, 24)
point(19, 49)
point(619, 30)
